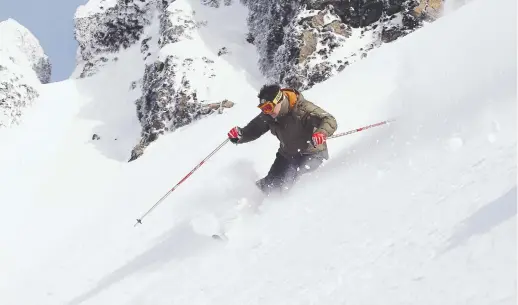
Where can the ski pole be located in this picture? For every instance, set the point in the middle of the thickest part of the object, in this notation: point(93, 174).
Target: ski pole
point(139, 220)
point(341, 134)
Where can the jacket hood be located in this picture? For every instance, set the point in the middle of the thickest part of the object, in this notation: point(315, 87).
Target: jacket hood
point(291, 97)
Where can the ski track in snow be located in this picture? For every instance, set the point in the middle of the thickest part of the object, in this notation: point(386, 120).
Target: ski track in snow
point(422, 211)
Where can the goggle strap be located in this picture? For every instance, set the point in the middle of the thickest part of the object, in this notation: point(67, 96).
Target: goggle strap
point(277, 97)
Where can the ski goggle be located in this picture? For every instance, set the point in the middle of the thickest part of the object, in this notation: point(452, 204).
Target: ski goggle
point(268, 106)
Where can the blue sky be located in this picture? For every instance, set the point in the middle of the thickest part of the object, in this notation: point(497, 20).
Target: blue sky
point(52, 22)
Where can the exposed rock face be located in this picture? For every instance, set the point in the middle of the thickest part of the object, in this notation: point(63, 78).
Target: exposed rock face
point(102, 31)
point(164, 31)
point(16, 94)
point(303, 42)
point(314, 36)
point(24, 66)
point(171, 82)
point(43, 69)
point(164, 81)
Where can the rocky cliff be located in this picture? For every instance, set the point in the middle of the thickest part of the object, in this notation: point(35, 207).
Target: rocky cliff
point(304, 42)
point(164, 32)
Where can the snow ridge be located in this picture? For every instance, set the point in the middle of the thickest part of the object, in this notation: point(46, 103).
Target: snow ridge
point(24, 66)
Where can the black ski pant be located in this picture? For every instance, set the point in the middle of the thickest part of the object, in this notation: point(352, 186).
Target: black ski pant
point(284, 172)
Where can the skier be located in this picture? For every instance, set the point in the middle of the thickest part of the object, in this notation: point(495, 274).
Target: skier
point(302, 129)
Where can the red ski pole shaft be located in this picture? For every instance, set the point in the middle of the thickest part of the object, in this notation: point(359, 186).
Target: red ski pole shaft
point(341, 134)
point(139, 220)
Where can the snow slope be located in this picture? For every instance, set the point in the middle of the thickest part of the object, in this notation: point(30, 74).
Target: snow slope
point(419, 212)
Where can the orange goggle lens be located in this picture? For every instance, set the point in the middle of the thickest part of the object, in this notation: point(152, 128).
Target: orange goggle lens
point(267, 107)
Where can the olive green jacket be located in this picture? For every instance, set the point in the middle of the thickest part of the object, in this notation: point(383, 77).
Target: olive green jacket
point(294, 126)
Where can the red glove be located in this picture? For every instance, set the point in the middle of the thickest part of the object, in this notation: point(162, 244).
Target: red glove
point(318, 138)
point(234, 135)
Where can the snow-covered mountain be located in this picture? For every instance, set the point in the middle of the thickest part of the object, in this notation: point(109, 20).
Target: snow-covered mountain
point(422, 211)
point(302, 43)
point(24, 66)
point(183, 57)
point(179, 64)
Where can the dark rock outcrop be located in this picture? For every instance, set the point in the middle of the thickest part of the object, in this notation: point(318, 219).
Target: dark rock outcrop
point(170, 79)
point(102, 34)
point(297, 39)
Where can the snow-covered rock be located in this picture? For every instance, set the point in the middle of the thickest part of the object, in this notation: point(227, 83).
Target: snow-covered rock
point(172, 80)
point(24, 66)
point(302, 43)
point(103, 28)
point(176, 63)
